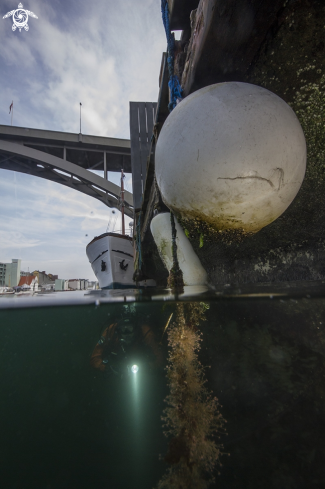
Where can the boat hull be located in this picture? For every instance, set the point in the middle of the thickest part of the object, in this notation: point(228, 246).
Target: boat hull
point(111, 258)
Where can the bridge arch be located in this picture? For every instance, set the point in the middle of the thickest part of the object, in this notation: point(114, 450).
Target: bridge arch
point(18, 153)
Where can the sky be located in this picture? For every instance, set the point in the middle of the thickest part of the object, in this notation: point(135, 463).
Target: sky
point(102, 53)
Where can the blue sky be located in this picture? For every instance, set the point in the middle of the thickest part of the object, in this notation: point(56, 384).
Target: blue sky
point(102, 53)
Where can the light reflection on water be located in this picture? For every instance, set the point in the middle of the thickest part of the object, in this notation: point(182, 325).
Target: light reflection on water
point(68, 424)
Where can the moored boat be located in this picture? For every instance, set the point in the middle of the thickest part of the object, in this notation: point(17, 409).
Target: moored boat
point(111, 258)
point(6, 291)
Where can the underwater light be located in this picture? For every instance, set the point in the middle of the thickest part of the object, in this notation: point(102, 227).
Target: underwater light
point(134, 368)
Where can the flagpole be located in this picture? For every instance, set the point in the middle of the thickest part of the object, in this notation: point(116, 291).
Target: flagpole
point(80, 117)
point(12, 112)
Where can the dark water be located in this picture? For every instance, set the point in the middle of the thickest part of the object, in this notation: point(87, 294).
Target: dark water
point(65, 424)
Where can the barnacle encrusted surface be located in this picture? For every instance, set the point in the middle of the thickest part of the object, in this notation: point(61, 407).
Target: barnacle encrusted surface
point(291, 63)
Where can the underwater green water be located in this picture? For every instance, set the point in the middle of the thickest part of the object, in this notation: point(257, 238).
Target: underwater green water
point(67, 424)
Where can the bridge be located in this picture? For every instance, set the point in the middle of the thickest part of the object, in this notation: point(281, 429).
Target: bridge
point(68, 159)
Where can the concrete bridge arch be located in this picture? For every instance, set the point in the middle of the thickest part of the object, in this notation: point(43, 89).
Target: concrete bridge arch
point(67, 159)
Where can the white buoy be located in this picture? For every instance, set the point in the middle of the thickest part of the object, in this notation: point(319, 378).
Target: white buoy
point(232, 155)
point(189, 263)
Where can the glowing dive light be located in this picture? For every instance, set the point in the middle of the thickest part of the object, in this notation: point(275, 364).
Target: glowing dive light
point(134, 368)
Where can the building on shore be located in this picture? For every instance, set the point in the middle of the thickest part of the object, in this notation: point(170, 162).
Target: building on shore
point(53, 277)
point(10, 273)
point(78, 284)
point(93, 285)
point(73, 284)
point(29, 282)
point(44, 278)
point(12, 276)
point(48, 287)
point(83, 284)
point(3, 267)
point(59, 284)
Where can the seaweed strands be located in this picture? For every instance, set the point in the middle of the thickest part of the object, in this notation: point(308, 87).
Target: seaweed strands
point(167, 324)
point(192, 417)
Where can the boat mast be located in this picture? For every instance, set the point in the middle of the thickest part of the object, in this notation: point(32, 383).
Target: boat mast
point(122, 201)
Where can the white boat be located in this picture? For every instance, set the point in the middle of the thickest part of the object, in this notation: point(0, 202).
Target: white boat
point(111, 258)
point(6, 291)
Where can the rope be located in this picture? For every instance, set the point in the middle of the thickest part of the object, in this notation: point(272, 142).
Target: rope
point(176, 91)
point(174, 245)
point(109, 222)
point(175, 279)
point(138, 241)
point(138, 261)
